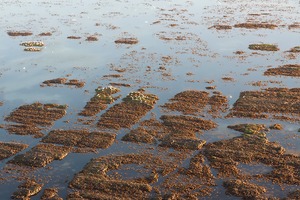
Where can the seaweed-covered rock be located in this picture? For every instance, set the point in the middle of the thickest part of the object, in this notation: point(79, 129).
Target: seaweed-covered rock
point(295, 195)
point(193, 182)
point(270, 101)
point(285, 70)
point(188, 102)
point(63, 81)
point(127, 41)
point(19, 33)
point(253, 129)
point(41, 155)
point(123, 115)
point(139, 135)
point(32, 118)
point(276, 127)
point(100, 101)
point(51, 194)
point(243, 189)
point(55, 81)
point(32, 49)
point(92, 38)
point(264, 47)
point(45, 34)
point(187, 123)
point(72, 37)
point(32, 44)
point(183, 130)
point(139, 97)
point(255, 25)
point(149, 131)
point(27, 189)
point(94, 182)
point(37, 114)
point(287, 172)
point(194, 102)
point(80, 138)
point(249, 148)
point(182, 142)
point(295, 49)
point(221, 27)
point(24, 129)
point(8, 149)
point(65, 137)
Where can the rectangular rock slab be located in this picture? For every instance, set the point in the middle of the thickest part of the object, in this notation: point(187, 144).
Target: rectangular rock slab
point(8, 149)
point(24, 129)
point(80, 138)
point(271, 101)
point(187, 123)
point(65, 137)
point(112, 188)
point(27, 189)
point(41, 155)
point(100, 140)
point(38, 114)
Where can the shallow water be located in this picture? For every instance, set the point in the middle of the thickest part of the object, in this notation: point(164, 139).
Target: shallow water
point(206, 53)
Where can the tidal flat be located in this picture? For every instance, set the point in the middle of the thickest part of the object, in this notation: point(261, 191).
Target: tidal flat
point(150, 99)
